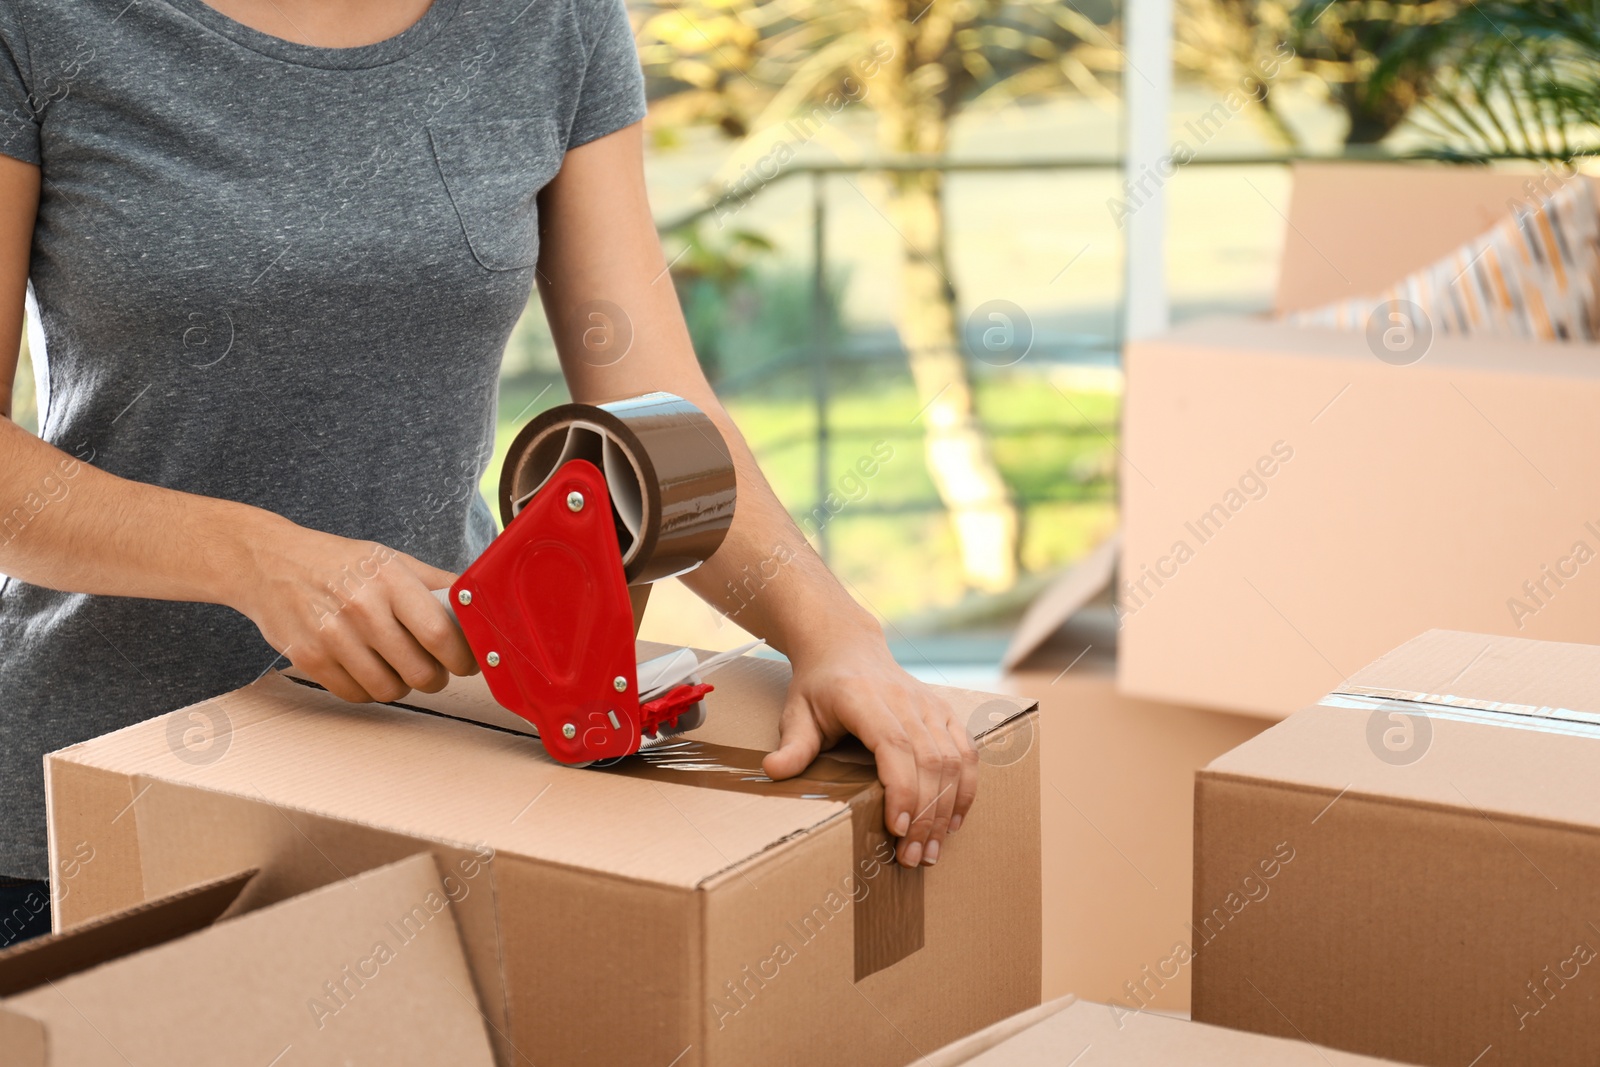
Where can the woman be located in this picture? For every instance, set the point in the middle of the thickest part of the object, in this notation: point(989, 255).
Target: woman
point(274, 250)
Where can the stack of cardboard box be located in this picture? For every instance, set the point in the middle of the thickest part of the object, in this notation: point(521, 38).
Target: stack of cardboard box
point(1294, 506)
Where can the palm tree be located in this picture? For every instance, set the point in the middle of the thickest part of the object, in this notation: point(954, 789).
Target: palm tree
point(749, 66)
point(1364, 50)
point(1510, 77)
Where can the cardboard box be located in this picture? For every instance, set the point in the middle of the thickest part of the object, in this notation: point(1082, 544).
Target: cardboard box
point(364, 971)
point(1357, 228)
point(1408, 868)
point(1083, 1034)
point(1117, 804)
point(1252, 581)
point(668, 912)
point(1293, 507)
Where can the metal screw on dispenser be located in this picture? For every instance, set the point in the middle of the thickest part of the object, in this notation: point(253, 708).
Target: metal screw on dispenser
point(569, 731)
point(574, 501)
point(463, 598)
point(492, 659)
point(620, 684)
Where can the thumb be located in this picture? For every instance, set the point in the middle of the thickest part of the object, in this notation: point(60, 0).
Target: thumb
point(799, 741)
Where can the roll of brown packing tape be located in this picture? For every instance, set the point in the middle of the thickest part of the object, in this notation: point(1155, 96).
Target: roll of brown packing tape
point(668, 469)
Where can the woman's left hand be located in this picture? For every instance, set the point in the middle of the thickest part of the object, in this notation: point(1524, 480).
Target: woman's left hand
point(926, 759)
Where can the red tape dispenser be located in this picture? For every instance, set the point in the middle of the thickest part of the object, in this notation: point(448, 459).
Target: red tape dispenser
point(598, 502)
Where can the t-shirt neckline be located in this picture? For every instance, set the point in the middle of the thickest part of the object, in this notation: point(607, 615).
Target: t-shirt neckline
point(360, 57)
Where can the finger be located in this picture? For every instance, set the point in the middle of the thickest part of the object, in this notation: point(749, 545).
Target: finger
point(967, 790)
point(326, 672)
point(886, 737)
point(949, 779)
point(427, 574)
point(897, 770)
point(369, 669)
point(430, 624)
point(415, 665)
point(930, 773)
point(799, 741)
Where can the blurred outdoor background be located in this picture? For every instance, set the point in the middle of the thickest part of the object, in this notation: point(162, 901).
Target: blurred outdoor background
point(897, 229)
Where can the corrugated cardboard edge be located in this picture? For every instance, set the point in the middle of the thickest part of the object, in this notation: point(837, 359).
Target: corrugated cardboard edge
point(1064, 598)
point(49, 1001)
point(974, 1045)
point(120, 844)
point(123, 933)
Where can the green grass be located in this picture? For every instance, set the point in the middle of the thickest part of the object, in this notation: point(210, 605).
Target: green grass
point(1055, 450)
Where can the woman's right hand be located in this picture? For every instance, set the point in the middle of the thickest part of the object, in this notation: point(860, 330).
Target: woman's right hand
point(356, 616)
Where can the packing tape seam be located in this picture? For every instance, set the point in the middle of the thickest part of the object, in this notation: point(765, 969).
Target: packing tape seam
point(1544, 719)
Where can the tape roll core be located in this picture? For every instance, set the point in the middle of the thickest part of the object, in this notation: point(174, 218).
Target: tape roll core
point(669, 473)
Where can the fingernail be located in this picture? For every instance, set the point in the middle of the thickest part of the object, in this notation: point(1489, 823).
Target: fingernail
point(932, 855)
point(902, 824)
point(955, 823)
point(913, 856)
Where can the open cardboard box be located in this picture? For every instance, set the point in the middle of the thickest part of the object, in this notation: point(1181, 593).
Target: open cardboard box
point(1408, 868)
point(1082, 1034)
point(1116, 795)
point(1293, 506)
point(364, 971)
point(678, 911)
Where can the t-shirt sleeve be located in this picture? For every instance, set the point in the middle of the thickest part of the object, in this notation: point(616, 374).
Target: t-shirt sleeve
point(19, 125)
point(612, 93)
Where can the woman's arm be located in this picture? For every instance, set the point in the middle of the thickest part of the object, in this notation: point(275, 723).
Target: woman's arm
point(67, 525)
point(598, 242)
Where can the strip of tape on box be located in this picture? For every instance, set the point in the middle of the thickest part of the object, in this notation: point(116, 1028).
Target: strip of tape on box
point(1551, 720)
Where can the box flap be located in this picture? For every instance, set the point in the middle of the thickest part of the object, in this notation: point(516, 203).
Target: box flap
point(1356, 227)
point(1491, 724)
point(1063, 598)
point(1450, 668)
point(369, 967)
point(55, 956)
point(1098, 1035)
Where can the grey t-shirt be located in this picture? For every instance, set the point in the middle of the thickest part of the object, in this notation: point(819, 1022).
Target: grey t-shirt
point(278, 274)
